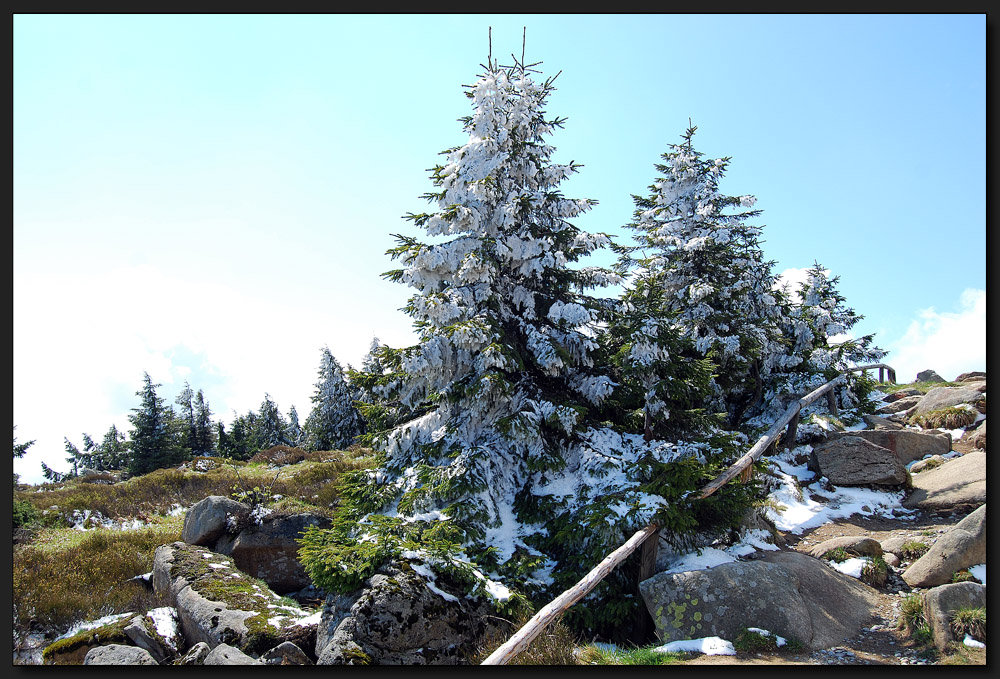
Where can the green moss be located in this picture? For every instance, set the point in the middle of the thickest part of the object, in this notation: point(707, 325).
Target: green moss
point(356, 656)
point(69, 648)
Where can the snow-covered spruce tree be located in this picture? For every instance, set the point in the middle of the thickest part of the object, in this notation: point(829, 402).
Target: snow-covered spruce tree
point(293, 432)
point(706, 260)
point(819, 347)
point(510, 473)
point(334, 422)
point(269, 427)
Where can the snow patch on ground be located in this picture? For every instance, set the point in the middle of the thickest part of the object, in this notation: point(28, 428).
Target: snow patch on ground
point(799, 511)
point(852, 566)
point(706, 645)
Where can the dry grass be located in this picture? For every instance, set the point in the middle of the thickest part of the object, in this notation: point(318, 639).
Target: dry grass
point(66, 576)
point(554, 646)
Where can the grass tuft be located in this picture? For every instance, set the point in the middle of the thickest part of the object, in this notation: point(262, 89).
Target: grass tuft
point(971, 621)
point(875, 572)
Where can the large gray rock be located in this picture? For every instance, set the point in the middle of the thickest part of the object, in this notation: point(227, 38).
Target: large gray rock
point(876, 422)
point(959, 482)
point(214, 604)
point(224, 654)
point(902, 393)
point(899, 405)
point(788, 593)
point(946, 397)
point(907, 444)
point(855, 544)
point(205, 522)
point(396, 619)
point(855, 461)
point(929, 376)
point(975, 375)
point(962, 546)
point(269, 551)
point(118, 654)
point(940, 603)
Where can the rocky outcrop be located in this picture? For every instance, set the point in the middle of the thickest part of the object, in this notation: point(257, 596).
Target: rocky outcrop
point(907, 444)
point(899, 405)
point(973, 376)
point(940, 604)
point(855, 461)
point(790, 594)
point(398, 619)
point(962, 546)
point(263, 546)
point(118, 654)
point(929, 376)
point(207, 520)
point(217, 603)
point(959, 482)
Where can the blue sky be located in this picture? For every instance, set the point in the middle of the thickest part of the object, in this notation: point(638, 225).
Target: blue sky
point(209, 197)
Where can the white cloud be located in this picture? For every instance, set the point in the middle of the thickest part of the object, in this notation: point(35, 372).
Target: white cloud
point(82, 343)
point(791, 279)
point(949, 343)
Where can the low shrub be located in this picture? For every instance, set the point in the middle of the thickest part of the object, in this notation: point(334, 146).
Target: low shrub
point(644, 655)
point(24, 513)
point(912, 619)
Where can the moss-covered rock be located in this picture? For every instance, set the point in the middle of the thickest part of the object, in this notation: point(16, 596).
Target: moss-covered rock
point(217, 603)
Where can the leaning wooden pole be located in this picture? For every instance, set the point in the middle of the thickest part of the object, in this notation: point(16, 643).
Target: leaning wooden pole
point(558, 606)
point(524, 636)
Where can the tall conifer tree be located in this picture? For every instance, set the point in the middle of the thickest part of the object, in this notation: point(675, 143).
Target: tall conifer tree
point(508, 464)
point(710, 272)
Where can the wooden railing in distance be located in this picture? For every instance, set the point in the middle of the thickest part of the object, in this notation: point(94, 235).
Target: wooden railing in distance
point(551, 611)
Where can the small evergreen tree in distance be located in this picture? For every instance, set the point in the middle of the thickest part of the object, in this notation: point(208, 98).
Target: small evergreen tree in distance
point(21, 448)
point(293, 431)
point(203, 439)
point(269, 426)
point(185, 416)
point(334, 421)
point(154, 440)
